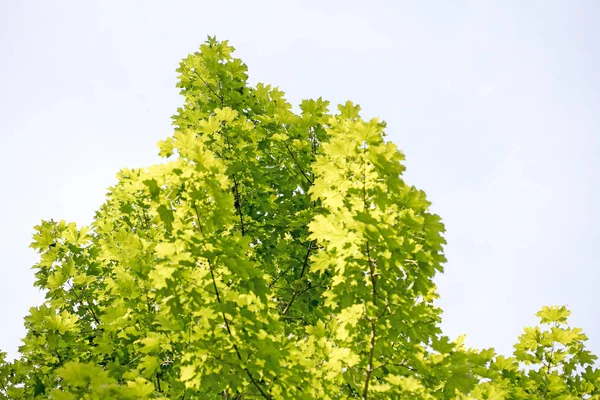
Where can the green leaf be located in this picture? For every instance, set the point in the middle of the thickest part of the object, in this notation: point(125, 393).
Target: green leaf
point(63, 322)
point(553, 314)
point(166, 147)
point(166, 216)
point(148, 365)
point(140, 388)
point(75, 374)
point(152, 188)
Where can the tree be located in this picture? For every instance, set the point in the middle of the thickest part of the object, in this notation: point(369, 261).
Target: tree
point(273, 255)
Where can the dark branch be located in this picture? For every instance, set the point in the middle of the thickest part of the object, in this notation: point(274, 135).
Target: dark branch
point(310, 247)
point(280, 275)
point(235, 347)
point(298, 294)
point(87, 307)
point(238, 204)
point(209, 87)
point(297, 163)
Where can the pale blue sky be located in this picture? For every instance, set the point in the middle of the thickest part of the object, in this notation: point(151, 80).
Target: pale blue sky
point(495, 104)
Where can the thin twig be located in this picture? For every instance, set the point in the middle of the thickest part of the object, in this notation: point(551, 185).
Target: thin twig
point(280, 275)
point(310, 247)
point(209, 87)
point(238, 204)
point(297, 164)
point(298, 294)
point(87, 307)
point(401, 365)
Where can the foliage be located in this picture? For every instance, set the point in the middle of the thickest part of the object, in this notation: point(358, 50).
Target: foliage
point(273, 255)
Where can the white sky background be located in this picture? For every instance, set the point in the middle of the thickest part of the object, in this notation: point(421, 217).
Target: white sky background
point(495, 104)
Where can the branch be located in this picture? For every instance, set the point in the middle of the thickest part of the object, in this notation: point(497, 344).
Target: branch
point(280, 275)
point(298, 294)
point(150, 310)
point(237, 351)
point(198, 219)
point(401, 365)
point(310, 247)
point(198, 287)
point(238, 204)
point(551, 353)
point(373, 291)
point(297, 164)
point(209, 87)
point(3, 387)
point(304, 265)
point(370, 365)
point(236, 192)
point(59, 358)
point(372, 275)
point(87, 307)
point(352, 390)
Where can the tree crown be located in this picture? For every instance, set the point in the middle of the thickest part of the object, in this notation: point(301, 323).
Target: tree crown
point(272, 255)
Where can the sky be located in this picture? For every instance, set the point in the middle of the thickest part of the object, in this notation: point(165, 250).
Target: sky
point(496, 106)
